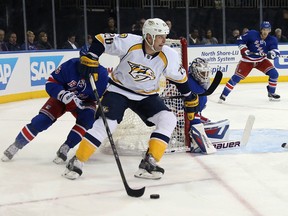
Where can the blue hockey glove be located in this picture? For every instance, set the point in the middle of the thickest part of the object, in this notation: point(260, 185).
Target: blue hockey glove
point(89, 65)
point(191, 103)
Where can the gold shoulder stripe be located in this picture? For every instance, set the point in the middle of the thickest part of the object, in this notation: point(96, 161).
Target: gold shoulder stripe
point(135, 47)
point(100, 38)
point(164, 59)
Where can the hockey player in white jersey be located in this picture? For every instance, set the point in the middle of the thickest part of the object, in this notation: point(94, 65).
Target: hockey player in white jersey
point(134, 84)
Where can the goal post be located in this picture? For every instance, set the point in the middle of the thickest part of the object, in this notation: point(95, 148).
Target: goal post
point(132, 135)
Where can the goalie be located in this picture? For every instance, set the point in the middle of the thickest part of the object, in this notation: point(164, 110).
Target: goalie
point(202, 131)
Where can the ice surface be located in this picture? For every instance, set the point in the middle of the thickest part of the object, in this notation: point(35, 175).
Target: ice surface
point(240, 182)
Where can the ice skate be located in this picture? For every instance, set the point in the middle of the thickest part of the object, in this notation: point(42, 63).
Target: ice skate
point(10, 152)
point(73, 169)
point(148, 169)
point(273, 96)
point(62, 154)
point(222, 98)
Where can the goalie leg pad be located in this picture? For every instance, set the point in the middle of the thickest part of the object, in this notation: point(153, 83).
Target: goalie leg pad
point(217, 131)
point(200, 139)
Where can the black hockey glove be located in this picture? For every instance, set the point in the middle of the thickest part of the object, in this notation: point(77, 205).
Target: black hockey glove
point(191, 103)
point(272, 55)
point(89, 65)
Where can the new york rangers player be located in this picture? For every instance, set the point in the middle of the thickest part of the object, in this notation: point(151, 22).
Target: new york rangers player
point(69, 92)
point(134, 84)
point(256, 49)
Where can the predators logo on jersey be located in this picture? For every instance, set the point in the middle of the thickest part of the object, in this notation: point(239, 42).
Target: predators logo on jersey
point(141, 73)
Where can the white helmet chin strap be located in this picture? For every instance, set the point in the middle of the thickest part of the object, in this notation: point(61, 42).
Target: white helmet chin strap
point(151, 45)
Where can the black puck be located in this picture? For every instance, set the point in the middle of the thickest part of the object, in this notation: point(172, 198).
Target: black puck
point(154, 196)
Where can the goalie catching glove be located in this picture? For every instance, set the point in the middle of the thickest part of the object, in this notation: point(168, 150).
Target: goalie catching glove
point(191, 103)
point(71, 101)
point(89, 65)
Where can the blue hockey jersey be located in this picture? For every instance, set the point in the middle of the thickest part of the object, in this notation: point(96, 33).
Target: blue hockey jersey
point(252, 41)
point(67, 77)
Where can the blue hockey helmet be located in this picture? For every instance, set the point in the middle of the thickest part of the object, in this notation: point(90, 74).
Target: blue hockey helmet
point(265, 25)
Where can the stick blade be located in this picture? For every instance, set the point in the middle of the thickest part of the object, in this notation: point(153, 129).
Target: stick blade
point(216, 81)
point(134, 192)
point(247, 130)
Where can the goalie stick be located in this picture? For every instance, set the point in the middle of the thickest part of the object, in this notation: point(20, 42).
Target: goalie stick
point(238, 143)
point(216, 81)
point(131, 192)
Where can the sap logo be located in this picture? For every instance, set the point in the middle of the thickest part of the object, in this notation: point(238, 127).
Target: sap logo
point(6, 69)
point(281, 63)
point(41, 68)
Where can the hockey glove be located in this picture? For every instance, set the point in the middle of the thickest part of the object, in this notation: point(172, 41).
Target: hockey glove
point(191, 103)
point(89, 65)
point(245, 52)
point(272, 55)
point(71, 101)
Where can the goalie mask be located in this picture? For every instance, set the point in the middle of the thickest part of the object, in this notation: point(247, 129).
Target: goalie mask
point(200, 70)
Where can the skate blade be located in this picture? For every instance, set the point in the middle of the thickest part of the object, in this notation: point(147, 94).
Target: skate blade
point(70, 174)
point(58, 161)
point(142, 173)
point(5, 159)
point(274, 99)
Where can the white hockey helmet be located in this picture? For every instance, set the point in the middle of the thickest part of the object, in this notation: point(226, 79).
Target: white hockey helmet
point(155, 26)
point(200, 70)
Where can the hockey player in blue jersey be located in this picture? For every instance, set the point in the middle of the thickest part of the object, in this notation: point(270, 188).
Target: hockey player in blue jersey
point(69, 92)
point(256, 49)
point(199, 81)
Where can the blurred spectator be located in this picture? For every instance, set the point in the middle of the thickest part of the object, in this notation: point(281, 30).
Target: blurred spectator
point(84, 49)
point(208, 38)
point(172, 34)
point(42, 43)
point(3, 46)
point(194, 38)
point(244, 30)
point(31, 45)
point(111, 26)
point(281, 38)
point(71, 42)
point(12, 42)
point(138, 27)
point(233, 38)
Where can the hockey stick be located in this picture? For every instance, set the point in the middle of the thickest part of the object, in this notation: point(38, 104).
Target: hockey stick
point(216, 81)
point(265, 55)
point(131, 192)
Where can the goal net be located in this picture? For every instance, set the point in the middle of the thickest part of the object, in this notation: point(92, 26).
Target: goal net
point(132, 135)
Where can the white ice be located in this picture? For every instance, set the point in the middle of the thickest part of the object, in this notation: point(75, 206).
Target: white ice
point(252, 181)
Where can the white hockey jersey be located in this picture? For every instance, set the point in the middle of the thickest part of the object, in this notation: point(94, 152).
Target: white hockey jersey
point(137, 71)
